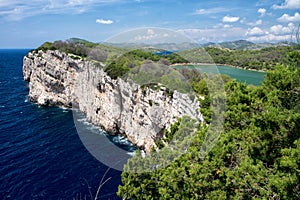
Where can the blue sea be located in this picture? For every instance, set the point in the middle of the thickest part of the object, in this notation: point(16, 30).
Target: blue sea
point(41, 154)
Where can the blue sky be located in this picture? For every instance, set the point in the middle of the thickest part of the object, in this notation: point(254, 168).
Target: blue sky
point(27, 24)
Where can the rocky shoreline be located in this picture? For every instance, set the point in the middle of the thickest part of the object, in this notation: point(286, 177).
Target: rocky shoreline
point(119, 107)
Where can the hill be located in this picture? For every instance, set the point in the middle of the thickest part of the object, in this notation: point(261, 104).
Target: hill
point(245, 45)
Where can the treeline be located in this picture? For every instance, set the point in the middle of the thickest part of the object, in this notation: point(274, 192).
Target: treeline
point(262, 59)
point(257, 155)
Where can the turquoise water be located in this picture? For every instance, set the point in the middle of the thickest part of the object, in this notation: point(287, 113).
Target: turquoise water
point(241, 75)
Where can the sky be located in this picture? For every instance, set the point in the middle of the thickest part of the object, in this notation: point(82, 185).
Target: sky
point(28, 24)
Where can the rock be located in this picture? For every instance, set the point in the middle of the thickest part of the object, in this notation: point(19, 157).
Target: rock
point(117, 106)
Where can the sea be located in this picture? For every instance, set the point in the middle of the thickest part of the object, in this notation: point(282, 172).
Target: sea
point(41, 154)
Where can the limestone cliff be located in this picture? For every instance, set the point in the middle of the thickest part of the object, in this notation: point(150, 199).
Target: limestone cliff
point(141, 114)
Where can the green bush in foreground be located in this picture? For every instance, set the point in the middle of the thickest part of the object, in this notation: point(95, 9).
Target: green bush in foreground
point(257, 155)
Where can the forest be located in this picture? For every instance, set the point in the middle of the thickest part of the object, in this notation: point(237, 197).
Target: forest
point(257, 155)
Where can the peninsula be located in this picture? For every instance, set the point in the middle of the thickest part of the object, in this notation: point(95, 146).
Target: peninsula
point(57, 76)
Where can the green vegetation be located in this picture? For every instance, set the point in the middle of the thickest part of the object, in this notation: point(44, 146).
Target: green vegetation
point(135, 58)
point(121, 60)
point(262, 59)
point(257, 156)
point(82, 49)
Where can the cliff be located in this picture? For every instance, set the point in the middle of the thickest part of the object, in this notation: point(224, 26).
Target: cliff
point(119, 107)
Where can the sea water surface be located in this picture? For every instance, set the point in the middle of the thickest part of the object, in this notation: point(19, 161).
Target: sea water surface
point(241, 75)
point(41, 154)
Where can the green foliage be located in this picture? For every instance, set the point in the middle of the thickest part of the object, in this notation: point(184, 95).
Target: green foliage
point(82, 49)
point(47, 46)
point(262, 59)
point(173, 130)
point(118, 68)
point(256, 157)
point(78, 49)
point(132, 60)
point(293, 58)
point(159, 143)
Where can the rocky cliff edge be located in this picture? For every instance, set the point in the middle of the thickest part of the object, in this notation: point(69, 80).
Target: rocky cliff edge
point(119, 107)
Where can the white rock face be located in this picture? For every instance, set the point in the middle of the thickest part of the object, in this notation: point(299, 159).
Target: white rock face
point(117, 106)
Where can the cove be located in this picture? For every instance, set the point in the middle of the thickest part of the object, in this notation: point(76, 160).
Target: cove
point(241, 75)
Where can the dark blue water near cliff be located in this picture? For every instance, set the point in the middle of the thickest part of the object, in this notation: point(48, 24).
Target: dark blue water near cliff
point(41, 155)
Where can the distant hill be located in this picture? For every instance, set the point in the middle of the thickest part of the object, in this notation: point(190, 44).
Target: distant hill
point(234, 45)
point(244, 45)
point(162, 46)
point(239, 44)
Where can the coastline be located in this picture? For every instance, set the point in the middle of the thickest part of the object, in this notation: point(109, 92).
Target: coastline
point(213, 64)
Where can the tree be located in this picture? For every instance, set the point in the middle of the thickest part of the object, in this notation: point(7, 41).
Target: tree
point(256, 157)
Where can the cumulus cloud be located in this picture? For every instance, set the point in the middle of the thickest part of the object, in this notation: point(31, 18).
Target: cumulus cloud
point(255, 31)
point(277, 33)
point(103, 21)
point(288, 4)
point(269, 38)
point(214, 34)
point(288, 18)
point(230, 19)
point(256, 23)
point(281, 30)
point(262, 12)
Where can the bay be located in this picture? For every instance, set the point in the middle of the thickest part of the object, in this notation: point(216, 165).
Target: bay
point(241, 75)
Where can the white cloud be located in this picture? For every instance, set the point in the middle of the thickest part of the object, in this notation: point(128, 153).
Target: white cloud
point(210, 11)
point(256, 23)
point(288, 18)
point(243, 21)
point(103, 21)
point(230, 19)
point(262, 12)
point(221, 25)
point(17, 10)
point(215, 34)
point(150, 32)
point(281, 30)
point(288, 4)
point(227, 26)
point(255, 31)
point(269, 38)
